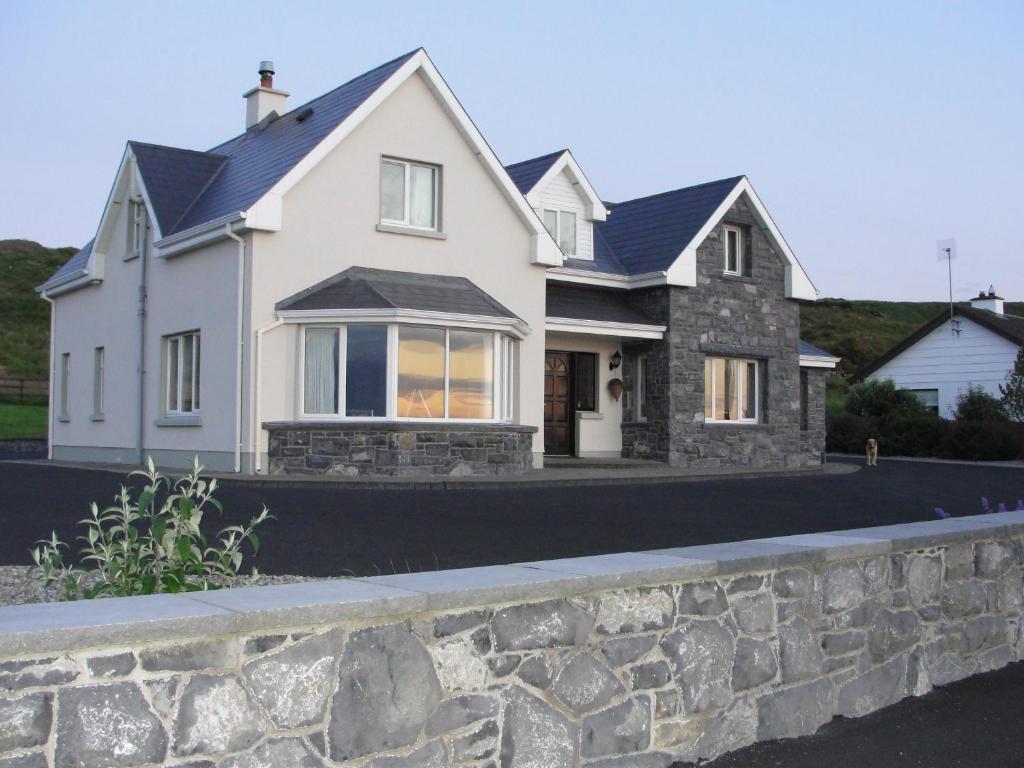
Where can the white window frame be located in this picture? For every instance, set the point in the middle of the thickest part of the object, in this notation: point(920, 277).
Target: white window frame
point(98, 381)
point(65, 386)
point(503, 353)
point(178, 339)
point(742, 363)
point(556, 235)
point(137, 226)
point(639, 414)
point(407, 166)
point(729, 228)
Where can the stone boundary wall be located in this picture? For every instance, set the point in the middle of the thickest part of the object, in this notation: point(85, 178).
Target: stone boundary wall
point(354, 449)
point(628, 660)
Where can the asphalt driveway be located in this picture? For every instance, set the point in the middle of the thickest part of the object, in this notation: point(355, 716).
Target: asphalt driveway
point(320, 531)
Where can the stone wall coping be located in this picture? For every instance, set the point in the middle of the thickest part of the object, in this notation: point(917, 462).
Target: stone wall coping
point(57, 627)
point(397, 426)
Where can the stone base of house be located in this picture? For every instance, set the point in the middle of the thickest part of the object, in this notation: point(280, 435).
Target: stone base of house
point(352, 449)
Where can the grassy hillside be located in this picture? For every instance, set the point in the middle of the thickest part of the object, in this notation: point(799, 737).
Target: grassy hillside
point(860, 331)
point(24, 317)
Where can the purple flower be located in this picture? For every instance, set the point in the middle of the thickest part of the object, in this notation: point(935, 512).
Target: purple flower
point(984, 504)
point(1002, 507)
point(940, 512)
point(1020, 505)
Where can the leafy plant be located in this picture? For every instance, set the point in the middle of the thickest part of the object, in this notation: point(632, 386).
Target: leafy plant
point(883, 400)
point(975, 404)
point(1013, 392)
point(150, 544)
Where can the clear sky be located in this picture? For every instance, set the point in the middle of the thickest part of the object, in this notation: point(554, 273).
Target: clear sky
point(869, 129)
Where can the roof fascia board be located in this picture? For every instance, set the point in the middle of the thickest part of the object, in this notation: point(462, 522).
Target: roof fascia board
point(798, 284)
point(566, 162)
point(543, 248)
point(69, 282)
point(150, 210)
point(511, 325)
point(604, 280)
point(818, 361)
point(197, 237)
point(603, 328)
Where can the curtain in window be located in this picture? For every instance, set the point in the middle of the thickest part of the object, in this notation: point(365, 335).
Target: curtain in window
point(421, 196)
point(470, 375)
point(321, 385)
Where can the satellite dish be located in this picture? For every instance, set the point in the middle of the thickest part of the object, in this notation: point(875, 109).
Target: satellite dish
point(946, 249)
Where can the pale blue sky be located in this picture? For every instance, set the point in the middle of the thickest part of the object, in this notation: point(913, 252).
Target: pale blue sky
point(869, 129)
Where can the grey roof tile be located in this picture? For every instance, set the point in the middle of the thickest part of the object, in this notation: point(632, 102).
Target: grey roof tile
point(79, 261)
point(365, 288)
point(813, 351)
point(581, 303)
point(174, 178)
point(526, 173)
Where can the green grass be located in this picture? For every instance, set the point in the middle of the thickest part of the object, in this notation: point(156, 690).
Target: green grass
point(25, 318)
point(22, 421)
point(860, 331)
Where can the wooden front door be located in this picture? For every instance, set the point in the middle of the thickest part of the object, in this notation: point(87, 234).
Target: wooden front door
point(558, 405)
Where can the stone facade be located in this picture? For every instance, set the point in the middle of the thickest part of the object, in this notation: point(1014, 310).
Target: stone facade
point(723, 315)
point(762, 646)
point(352, 449)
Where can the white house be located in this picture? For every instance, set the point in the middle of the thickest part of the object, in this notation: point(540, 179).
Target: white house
point(977, 347)
point(357, 285)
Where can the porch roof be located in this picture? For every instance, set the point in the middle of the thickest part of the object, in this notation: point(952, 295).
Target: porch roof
point(606, 306)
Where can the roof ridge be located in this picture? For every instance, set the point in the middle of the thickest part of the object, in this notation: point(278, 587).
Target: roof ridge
point(538, 157)
point(674, 191)
point(327, 93)
point(204, 153)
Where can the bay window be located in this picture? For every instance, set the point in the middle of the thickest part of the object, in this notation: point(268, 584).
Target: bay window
point(730, 389)
point(415, 372)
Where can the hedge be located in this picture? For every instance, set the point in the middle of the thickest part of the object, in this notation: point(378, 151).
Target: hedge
point(927, 437)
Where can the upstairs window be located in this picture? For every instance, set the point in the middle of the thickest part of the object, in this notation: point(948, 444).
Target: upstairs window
point(733, 250)
point(409, 194)
point(136, 228)
point(730, 389)
point(562, 227)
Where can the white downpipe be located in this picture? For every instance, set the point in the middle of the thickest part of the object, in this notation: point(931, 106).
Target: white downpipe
point(50, 415)
point(257, 430)
point(240, 346)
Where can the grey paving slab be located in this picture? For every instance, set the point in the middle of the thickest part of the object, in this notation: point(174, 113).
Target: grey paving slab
point(311, 602)
point(487, 584)
point(837, 547)
point(735, 556)
point(46, 627)
point(626, 569)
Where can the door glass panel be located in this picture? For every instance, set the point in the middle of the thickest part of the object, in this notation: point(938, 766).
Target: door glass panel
point(366, 365)
point(470, 375)
point(420, 372)
point(586, 381)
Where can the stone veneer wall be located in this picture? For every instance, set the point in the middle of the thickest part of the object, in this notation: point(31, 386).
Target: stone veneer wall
point(812, 439)
point(616, 661)
point(729, 316)
point(352, 449)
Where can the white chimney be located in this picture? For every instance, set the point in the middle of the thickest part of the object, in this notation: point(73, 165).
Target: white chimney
point(988, 301)
point(261, 101)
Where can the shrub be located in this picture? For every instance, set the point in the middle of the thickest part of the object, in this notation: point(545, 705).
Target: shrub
point(975, 404)
point(152, 544)
point(883, 401)
point(846, 433)
point(927, 437)
point(982, 441)
point(1013, 392)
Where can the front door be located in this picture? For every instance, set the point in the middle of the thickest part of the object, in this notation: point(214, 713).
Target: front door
point(558, 404)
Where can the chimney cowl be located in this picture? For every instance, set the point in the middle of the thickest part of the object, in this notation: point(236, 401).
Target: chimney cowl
point(266, 72)
point(265, 98)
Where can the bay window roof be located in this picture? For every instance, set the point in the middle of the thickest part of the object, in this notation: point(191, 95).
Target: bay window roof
point(363, 288)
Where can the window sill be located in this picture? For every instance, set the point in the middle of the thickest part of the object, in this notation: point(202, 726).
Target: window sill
point(589, 415)
point(183, 420)
point(738, 278)
point(740, 424)
point(398, 229)
point(64, 419)
point(97, 417)
point(131, 256)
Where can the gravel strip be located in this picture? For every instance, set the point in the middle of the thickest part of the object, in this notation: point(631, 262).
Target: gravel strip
point(17, 585)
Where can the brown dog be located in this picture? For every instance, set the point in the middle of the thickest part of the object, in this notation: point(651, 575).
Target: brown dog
point(872, 452)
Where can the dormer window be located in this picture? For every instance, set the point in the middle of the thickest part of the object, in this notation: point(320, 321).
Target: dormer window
point(733, 250)
point(409, 194)
point(562, 226)
point(136, 228)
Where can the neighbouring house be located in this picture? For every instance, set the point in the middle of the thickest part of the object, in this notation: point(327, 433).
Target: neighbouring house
point(975, 346)
point(359, 286)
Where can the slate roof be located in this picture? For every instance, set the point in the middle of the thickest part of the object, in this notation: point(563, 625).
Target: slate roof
point(79, 261)
point(813, 351)
point(527, 173)
point(649, 233)
point(1010, 327)
point(365, 288)
point(174, 178)
point(593, 304)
